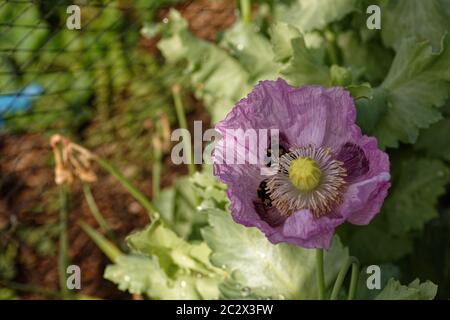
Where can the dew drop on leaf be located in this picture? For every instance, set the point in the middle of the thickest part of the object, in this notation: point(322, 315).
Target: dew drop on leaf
point(245, 292)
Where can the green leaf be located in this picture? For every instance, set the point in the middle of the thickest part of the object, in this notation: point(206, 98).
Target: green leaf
point(164, 265)
point(257, 268)
point(387, 271)
point(252, 50)
point(412, 201)
point(424, 20)
point(172, 251)
point(215, 77)
point(306, 60)
point(178, 208)
point(418, 81)
point(212, 191)
point(434, 140)
point(136, 274)
point(340, 76)
point(431, 258)
point(367, 58)
point(281, 35)
point(308, 15)
point(370, 111)
point(304, 67)
point(373, 243)
point(414, 291)
point(144, 275)
point(446, 8)
point(361, 91)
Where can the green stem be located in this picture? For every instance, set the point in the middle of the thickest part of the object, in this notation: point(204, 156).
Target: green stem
point(331, 47)
point(353, 281)
point(139, 196)
point(96, 212)
point(246, 11)
point(44, 291)
point(63, 260)
point(33, 289)
point(183, 124)
point(320, 274)
point(156, 171)
point(107, 247)
point(351, 261)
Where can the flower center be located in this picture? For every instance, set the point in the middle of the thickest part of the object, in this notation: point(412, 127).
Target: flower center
point(304, 174)
point(309, 177)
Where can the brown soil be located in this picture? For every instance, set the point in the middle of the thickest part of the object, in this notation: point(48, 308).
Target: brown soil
point(205, 19)
point(29, 198)
point(27, 184)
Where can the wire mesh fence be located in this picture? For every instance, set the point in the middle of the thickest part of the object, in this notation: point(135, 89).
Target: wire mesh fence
point(60, 70)
point(100, 84)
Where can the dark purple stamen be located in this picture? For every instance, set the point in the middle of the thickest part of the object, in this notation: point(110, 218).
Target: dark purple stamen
point(271, 215)
point(354, 159)
point(263, 194)
point(283, 147)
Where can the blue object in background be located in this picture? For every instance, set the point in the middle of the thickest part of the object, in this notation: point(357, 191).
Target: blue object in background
point(20, 101)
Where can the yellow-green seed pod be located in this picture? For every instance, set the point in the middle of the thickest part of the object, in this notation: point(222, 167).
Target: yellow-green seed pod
point(304, 174)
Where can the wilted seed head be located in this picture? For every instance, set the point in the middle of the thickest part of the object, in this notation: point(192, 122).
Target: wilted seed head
point(71, 160)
